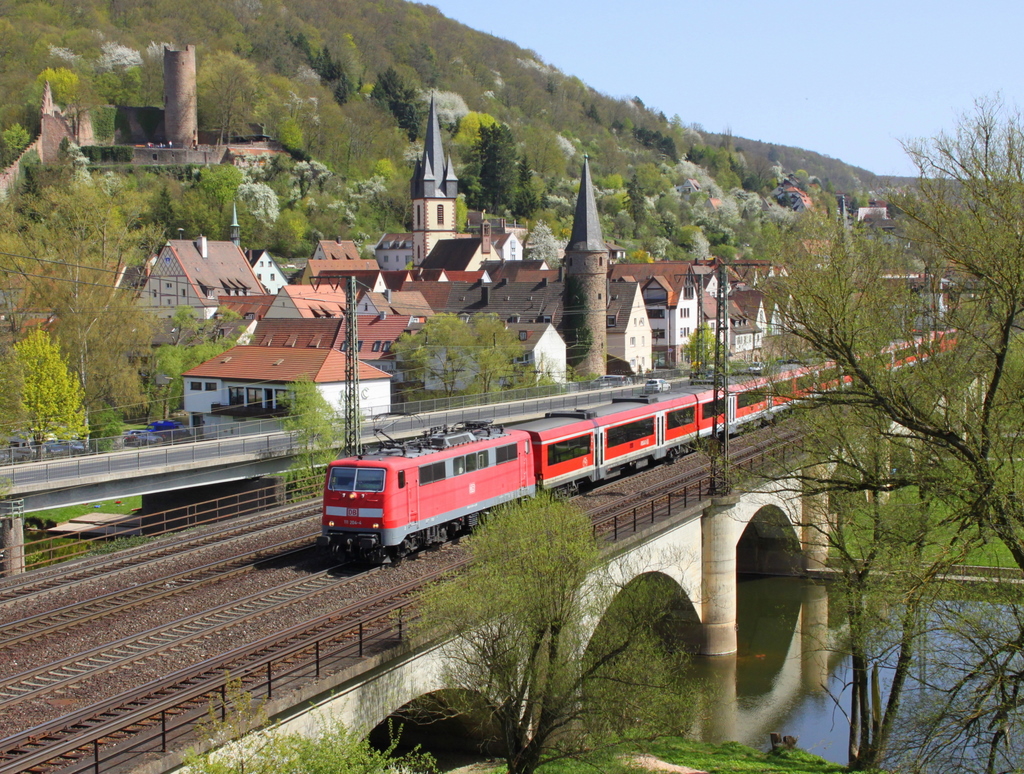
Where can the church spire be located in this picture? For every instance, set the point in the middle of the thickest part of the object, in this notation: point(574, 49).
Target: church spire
point(434, 177)
point(586, 226)
point(236, 236)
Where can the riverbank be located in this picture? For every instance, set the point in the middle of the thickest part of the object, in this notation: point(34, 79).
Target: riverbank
point(681, 756)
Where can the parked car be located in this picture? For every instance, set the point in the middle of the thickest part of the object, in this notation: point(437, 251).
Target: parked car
point(143, 438)
point(64, 448)
point(613, 380)
point(163, 424)
point(656, 385)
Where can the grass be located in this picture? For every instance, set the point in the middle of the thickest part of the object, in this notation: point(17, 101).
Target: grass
point(122, 505)
point(727, 758)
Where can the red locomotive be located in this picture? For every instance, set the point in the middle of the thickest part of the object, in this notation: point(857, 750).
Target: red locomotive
point(410, 495)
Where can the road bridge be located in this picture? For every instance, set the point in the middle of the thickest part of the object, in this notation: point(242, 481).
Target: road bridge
point(56, 483)
point(700, 550)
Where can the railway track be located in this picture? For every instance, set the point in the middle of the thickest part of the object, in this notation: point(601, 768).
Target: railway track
point(23, 588)
point(187, 581)
point(301, 651)
point(81, 667)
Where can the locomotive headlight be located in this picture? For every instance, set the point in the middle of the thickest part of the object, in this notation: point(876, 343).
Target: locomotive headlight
point(351, 495)
point(330, 524)
point(376, 526)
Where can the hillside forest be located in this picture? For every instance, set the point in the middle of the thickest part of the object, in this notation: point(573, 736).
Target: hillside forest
point(345, 86)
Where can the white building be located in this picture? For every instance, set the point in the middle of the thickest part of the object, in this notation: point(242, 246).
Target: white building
point(251, 382)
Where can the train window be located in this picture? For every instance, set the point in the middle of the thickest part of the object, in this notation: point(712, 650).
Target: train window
point(570, 449)
point(711, 409)
point(481, 460)
point(458, 466)
point(401, 479)
point(356, 480)
point(431, 473)
point(471, 462)
point(504, 454)
point(680, 417)
point(633, 431)
point(750, 397)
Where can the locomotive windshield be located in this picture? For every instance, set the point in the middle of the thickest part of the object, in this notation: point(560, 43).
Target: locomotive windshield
point(356, 480)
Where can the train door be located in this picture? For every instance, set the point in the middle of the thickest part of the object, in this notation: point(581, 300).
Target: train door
point(732, 408)
point(410, 477)
point(599, 448)
point(525, 466)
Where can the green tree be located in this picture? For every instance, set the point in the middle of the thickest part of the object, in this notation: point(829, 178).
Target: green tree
point(957, 409)
point(317, 431)
point(16, 138)
point(230, 91)
point(52, 400)
point(497, 349)
point(700, 347)
point(70, 246)
point(399, 99)
point(521, 618)
point(440, 355)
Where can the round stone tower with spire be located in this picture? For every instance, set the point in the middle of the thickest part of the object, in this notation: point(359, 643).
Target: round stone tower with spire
point(433, 189)
point(586, 284)
point(180, 121)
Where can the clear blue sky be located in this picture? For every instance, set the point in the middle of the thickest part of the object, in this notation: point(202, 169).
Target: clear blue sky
point(844, 79)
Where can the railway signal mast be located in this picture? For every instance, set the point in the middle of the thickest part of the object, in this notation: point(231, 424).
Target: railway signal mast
point(353, 434)
point(720, 397)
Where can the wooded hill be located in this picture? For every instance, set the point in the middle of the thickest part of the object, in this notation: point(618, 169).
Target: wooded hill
point(345, 82)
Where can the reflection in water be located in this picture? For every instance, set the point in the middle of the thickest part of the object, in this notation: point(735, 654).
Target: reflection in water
point(782, 677)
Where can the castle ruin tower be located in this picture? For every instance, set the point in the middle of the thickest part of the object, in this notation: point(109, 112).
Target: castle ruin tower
point(180, 121)
point(586, 284)
point(433, 189)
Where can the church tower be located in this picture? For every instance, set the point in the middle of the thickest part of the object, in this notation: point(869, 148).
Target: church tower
point(586, 284)
point(434, 188)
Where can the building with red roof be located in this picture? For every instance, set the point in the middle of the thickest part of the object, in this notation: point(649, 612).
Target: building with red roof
point(251, 382)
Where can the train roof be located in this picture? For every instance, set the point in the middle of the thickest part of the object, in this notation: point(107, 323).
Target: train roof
point(439, 440)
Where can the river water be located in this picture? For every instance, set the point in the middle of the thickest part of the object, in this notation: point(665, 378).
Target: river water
point(784, 677)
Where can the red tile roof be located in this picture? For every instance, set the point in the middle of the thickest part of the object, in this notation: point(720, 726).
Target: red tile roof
point(282, 365)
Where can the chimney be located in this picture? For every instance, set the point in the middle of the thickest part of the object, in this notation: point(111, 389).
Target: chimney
point(485, 294)
point(560, 274)
point(543, 282)
point(387, 295)
point(337, 240)
point(201, 246)
point(485, 237)
point(181, 233)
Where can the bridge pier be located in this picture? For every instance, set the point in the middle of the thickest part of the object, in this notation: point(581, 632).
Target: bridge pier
point(12, 545)
point(814, 531)
point(718, 585)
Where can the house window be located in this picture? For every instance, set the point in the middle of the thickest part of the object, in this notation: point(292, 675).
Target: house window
point(376, 346)
point(236, 396)
point(685, 332)
point(254, 396)
point(195, 385)
point(183, 292)
point(154, 294)
point(272, 276)
point(611, 321)
point(210, 386)
point(656, 314)
point(259, 277)
point(523, 335)
point(684, 312)
point(387, 346)
point(168, 285)
point(632, 341)
point(688, 293)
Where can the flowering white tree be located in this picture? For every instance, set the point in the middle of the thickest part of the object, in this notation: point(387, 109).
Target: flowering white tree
point(261, 201)
point(451, 107)
point(542, 245)
point(117, 57)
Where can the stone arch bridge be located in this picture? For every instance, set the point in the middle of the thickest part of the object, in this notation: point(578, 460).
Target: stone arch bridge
point(771, 530)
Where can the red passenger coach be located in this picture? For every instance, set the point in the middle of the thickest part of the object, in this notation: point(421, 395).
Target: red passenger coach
point(409, 495)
